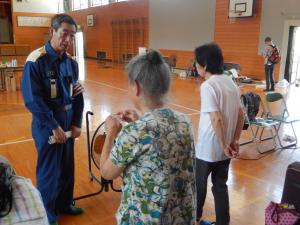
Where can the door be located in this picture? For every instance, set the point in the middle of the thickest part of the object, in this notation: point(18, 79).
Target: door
point(295, 56)
point(79, 53)
point(292, 68)
point(79, 47)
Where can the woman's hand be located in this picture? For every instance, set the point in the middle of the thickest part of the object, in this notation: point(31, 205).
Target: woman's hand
point(129, 115)
point(235, 145)
point(113, 125)
point(232, 150)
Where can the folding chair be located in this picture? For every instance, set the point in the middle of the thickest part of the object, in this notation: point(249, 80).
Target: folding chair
point(282, 116)
point(257, 127)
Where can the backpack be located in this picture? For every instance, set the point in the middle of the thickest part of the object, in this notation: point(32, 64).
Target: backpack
point(251, 102)
point(275, 56)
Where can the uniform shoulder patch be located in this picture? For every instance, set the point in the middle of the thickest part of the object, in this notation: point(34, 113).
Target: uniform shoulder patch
point(33, 56)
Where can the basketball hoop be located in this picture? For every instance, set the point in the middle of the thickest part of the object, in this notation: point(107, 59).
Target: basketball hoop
point(234, 14)
point(239, 13)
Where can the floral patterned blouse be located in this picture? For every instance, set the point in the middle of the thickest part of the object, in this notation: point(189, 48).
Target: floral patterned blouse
point(157, 152)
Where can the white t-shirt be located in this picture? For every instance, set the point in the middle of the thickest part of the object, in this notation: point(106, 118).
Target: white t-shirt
point(267, 53)
point(218, 94)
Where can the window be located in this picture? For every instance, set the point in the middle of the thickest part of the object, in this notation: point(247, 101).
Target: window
point(100, 2)
point(96, 2)
point(83, 4)
point(105, 2)
point(61, 6)
point(80, 4)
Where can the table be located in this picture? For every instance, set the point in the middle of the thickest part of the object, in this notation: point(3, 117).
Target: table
point(8, 72)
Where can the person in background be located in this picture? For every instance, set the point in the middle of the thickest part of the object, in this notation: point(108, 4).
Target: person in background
point(220, 126)
point(269, 66)
point(155, 151)
point(53, 95)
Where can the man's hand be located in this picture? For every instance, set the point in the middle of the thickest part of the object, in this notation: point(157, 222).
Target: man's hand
point(129, 115)
point(113, 125)
point(59, 135)
point(76, 131)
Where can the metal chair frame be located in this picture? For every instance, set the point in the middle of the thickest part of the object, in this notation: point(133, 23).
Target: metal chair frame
point(104, 184)
point(283, 118)
point(261, 124)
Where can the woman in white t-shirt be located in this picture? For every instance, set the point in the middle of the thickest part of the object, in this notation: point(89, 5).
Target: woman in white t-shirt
point(220, 126)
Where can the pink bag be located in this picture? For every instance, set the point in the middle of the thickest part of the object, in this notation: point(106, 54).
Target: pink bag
point(276, 214)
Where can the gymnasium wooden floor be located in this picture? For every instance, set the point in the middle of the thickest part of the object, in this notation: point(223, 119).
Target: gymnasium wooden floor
point(252, 183)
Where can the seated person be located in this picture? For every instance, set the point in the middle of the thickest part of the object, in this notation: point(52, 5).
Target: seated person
point(20, 201)
point(155, 151)
point(192, 70)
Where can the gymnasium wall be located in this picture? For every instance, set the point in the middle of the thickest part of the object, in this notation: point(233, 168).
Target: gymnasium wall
point(176, 27)
point(275, 21)
point(33, 36)
point(202, 22)
point(99, 37)
point(35, 6)
point(239, 39)
point(181, 25)
point(274, 13)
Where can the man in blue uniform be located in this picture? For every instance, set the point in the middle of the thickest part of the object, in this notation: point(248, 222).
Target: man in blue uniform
point(53, 95)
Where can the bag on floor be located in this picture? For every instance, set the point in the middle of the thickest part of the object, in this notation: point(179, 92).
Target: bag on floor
point(281, 214)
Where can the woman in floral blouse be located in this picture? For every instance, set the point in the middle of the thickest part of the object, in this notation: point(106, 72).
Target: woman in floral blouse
point(155, 151)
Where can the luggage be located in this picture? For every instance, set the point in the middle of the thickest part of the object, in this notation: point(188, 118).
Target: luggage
point(291, 190)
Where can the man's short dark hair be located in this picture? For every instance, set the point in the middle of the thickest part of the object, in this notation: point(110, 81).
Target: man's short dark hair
point(268, 39)
point(58, 19)
point(210, 55)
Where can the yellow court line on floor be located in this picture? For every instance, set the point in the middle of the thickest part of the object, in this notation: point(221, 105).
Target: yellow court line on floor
point(15, 142)
point(124, 90)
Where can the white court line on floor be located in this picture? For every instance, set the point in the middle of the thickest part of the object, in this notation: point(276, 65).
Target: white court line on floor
point(107, 85)
point(15, 115)
point(121, 89)
point(21, 141)
point(181, 106)
point(15, 142)
point(193, 114)
point(13, 103)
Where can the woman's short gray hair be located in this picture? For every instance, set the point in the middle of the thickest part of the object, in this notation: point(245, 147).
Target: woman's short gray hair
point(152, 73)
